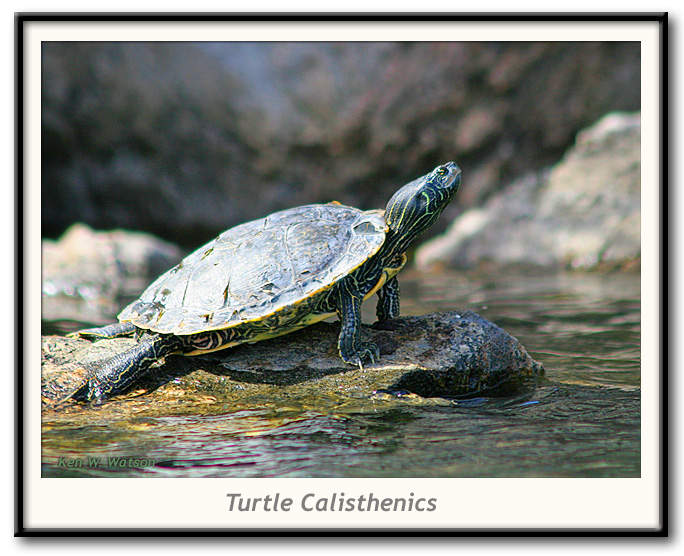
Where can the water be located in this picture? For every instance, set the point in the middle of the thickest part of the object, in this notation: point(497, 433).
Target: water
point(582, 421)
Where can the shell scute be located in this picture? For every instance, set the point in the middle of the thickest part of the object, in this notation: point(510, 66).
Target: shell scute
point(259, 268)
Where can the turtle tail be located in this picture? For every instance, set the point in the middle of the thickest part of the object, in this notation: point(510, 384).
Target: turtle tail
point(116, 330)
point(114, 375)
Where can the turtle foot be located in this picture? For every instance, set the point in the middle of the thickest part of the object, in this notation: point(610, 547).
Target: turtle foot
point(364, 350)
point(90, 391)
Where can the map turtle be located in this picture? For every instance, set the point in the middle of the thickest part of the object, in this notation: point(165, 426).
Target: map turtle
point(272, 276)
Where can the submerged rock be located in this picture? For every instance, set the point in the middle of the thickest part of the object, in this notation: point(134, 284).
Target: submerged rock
point(583, 214)
point(437, 355)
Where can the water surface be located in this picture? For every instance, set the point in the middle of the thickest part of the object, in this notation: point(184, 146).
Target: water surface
point(582, 421)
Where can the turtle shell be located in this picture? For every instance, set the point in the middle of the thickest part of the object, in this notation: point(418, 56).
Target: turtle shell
point(258, 268)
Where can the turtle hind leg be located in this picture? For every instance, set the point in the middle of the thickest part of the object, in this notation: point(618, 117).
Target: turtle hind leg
point(112, 376)
point(116, 330)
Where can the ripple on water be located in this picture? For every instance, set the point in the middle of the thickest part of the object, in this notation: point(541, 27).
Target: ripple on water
point(584, 421)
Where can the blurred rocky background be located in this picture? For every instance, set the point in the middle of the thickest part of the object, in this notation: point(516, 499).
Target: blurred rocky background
point(583, 213)
point(185, 140)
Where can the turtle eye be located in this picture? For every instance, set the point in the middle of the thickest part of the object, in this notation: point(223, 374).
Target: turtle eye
point(442, 171)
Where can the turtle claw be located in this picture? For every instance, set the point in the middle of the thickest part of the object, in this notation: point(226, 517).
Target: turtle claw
point(88, 392)
point(364, 350)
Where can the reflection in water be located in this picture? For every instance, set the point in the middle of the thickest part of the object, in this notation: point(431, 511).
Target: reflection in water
point(584, 421)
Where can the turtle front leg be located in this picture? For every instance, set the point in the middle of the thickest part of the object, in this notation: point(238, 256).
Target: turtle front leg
point(352, 349)
point(388, 300)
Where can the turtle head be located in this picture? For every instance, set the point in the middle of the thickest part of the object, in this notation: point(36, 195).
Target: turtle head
point(417, 205)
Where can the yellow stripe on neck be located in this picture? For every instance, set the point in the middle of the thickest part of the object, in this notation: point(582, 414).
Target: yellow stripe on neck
point(387, 274)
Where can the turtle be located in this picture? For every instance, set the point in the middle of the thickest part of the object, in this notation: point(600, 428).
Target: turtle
point(272, 276)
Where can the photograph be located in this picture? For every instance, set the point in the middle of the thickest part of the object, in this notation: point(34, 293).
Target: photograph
point(374, 271)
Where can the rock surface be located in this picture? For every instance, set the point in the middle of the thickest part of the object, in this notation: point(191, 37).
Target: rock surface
point(583, 213)
point(437, 355)
point(186, 140)
point(87, 275)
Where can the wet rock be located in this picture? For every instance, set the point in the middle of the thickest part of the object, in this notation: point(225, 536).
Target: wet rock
point(88, 275)
point(185, 140)
point(437, 355)
point(583, 213)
